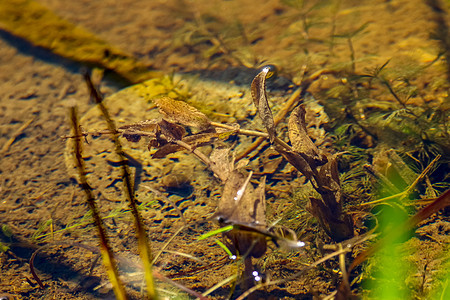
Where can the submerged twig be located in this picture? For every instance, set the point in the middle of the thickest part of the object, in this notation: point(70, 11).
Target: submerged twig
point(406, 192)
point(107, 254)
point(143, 241)
point(18, 132)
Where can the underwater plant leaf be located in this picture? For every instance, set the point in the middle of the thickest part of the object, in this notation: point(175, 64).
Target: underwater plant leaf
point(338, 227)
point(329, 185)
point(351, 34)
point(215, 232)
point(223, 246)
point(147, 125)
point(133, 132)
point(183, 113)
point(196, 140)
point(328, 211)
point(171, 130)
point(221, 164)
point(241, 203)
point(299, 163)
point(259, 96)
point(301, 142)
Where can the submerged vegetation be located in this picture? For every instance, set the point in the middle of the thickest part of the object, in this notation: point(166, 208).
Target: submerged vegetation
point(320, 189)
point(241, 210)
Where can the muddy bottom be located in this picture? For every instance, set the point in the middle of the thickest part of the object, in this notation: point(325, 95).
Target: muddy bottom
point(211, 51)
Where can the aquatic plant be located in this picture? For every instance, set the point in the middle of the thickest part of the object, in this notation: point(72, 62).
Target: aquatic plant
point(341, 189)
point(241, 212)
point(306, 157)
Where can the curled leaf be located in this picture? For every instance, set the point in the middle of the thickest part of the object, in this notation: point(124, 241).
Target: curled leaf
point(221, 163)
point(338, 227)
point(131, 132)
point(301, 142)
point(329, 185)
point(299, 162)
point(259, 96)
point(194, 141)
point(183, 113)
point(243, 205)
point(171, 131)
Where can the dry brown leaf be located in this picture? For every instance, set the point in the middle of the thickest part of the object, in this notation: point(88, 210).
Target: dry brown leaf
point(183, 113)
point(259, 96)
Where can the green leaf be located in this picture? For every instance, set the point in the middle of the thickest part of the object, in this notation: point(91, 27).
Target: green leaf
point(215, 232)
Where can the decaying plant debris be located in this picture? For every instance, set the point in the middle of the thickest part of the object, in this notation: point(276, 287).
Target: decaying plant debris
point(346, 178)
point(169, 135)
point(241, 210)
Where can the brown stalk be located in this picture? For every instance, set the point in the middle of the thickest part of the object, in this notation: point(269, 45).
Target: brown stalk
point(143, 241)
point(293, 99)
point(107, 254)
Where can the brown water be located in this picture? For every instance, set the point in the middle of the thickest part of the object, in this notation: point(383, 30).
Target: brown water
point(220, 44)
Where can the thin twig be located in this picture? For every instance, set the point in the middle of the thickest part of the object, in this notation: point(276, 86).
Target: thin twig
point(180, 286)
point(240, 131)
point(143, 241)
point(107, 254)
point(297, 274)
point(18, 132)
point(167, 243)
point(405, 193)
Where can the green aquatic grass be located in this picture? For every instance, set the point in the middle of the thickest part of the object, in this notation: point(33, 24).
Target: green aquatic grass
point(392, 268)
point(216, 232)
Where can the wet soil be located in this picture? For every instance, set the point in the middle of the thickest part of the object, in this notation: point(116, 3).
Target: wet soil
point(223, 42)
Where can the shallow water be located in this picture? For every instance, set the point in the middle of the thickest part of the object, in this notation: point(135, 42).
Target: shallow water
point(215, 48)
